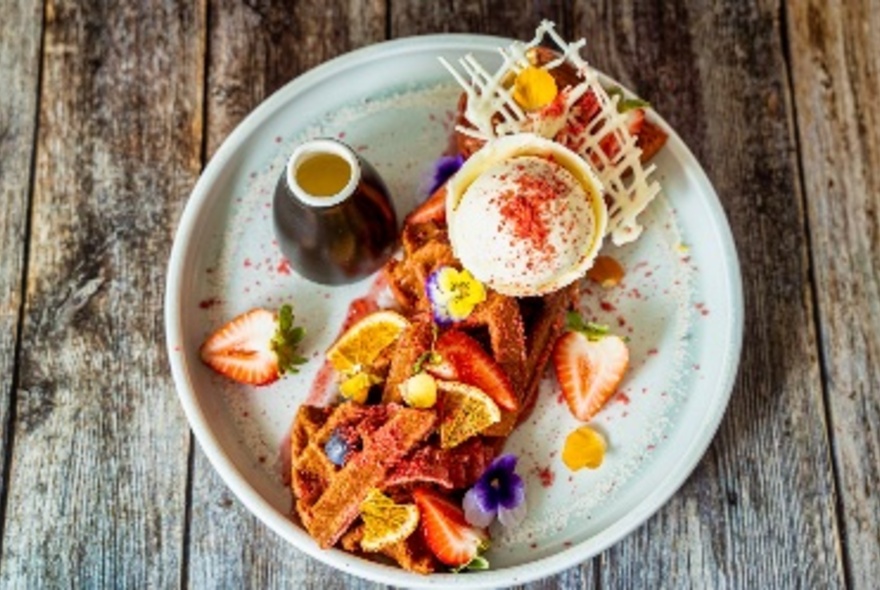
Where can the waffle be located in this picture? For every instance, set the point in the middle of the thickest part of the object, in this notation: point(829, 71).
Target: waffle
point(394, 448)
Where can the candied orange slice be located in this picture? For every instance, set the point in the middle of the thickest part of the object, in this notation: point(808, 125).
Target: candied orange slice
point(585, 447)
point(606, 271)
point(467, 411)
point(361, 344)
point(386, 522)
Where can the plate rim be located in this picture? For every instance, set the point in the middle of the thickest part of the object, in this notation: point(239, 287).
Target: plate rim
point(550, 565)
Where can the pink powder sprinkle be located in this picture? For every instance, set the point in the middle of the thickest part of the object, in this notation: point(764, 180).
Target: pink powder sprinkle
point(546, 475)
point(284, 267)
point(623, 398)
point(247, 262)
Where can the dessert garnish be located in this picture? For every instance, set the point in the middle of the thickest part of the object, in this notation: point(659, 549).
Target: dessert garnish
point(534, 88)
point(461, 358)
point(583, 117)
point(444, 169)
point(467, 411)
point(386, 522)
point(353, 354)
point(449, 536)
point(256, 347)
point(606, 271)
point(584, 447)
point(454, 294)
point(499, 493)
point(590, 364)
point(419, 391)
point(336, 449)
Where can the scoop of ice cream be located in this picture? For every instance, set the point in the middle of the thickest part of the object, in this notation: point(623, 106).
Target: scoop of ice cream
point(525, 215)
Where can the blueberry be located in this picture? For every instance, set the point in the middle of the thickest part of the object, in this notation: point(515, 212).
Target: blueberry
point(336, 449)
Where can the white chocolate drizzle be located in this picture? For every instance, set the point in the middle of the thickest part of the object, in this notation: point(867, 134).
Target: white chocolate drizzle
point(492, 112)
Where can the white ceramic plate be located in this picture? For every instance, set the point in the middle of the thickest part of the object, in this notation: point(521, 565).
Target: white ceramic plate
point(680, 304)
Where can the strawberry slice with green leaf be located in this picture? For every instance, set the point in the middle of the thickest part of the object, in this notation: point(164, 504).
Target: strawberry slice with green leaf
point(464, 360)
point(590, 363)
point(448, 535)
point(256, 347)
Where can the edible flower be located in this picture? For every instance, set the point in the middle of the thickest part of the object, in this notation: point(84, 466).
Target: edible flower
point(453, 294)
point(534, 88)
point(444, 169)
point(499, 492)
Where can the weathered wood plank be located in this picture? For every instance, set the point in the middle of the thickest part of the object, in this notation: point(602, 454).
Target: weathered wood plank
point(98, 472)
point(835, 55)
point(253, 52)
point(505, 19)
point(20, 34)
point(760, 509)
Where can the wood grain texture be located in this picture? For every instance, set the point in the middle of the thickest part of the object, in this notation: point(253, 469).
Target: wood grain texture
point(254, 50)
point(775, 98)
point(759, 511)
point(20, 34)
point(98, 471)
point(836, 79)
point(496, 17)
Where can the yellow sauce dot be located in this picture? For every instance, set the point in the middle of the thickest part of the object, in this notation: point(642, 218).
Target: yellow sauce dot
point(584, 447)
point(534, 89)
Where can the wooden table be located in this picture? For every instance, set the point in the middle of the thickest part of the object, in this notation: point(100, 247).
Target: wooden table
point(108, 112)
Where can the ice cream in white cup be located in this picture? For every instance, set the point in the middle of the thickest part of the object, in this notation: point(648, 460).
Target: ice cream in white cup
point(526, 215)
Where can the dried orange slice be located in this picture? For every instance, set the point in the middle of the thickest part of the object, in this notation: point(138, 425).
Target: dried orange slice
point(585, 447)
point(467, 411)
point(386, 522)
point(361, 344)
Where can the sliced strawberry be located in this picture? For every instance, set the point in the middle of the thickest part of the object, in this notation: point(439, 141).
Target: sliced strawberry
point(635, 120)
point(255, 348)
point(448, 535)
point(651, 139)
point(434, 209)
point(463, 359)
point(589, 371)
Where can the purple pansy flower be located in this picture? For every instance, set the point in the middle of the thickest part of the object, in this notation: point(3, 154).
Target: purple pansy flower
point(444, 168)
point(499, 492)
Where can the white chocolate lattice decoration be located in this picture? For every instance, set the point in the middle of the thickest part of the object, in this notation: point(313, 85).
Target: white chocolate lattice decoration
point(584, 118)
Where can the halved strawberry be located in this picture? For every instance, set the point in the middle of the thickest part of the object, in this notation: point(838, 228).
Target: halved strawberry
point(434, 209)
point(256, 347)
point(448, 535)
point(463, 359)
point(589, 370)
